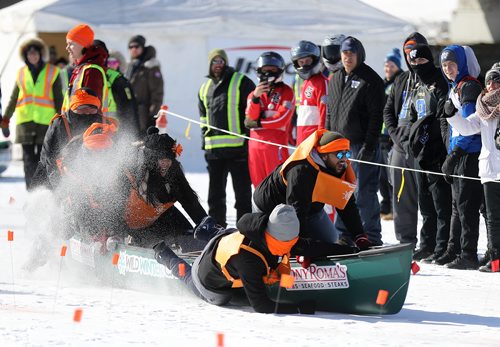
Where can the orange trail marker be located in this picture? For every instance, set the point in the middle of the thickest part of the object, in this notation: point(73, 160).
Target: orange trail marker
point(116, 256)
point(286, 281)
point(10, 235)
point(414, 268)
point(63, 251)
point(11, 200)
point(220, 340)
point(77, 316)
point(382, 297)
point(182, 269)
point(495, 265)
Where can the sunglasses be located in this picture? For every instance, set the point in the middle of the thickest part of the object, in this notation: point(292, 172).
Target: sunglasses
point(218, 62)
point(113, 63)
point(133, 46)
point(346, 154)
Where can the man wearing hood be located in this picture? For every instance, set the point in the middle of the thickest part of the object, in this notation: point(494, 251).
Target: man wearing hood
point(405, 195)
point(36, 97)
point(461, 68)
point(222, 102)
point(255, 254)
point(355, 104)
point(146, 79)
point(425, 142)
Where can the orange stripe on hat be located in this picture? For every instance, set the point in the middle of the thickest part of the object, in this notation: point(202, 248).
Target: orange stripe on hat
point(409, 45)
point(99, 136)
point(81, 97)
point(334, 146)
point(81, 34)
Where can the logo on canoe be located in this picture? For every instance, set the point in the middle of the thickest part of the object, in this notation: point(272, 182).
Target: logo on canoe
point(320, 277)
point(131, 263)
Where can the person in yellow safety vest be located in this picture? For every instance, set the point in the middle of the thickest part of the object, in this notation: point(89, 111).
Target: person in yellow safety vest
point(90, 66)
point(222, 101)
point(122, 103)
point(35, 99)
point(250, 257)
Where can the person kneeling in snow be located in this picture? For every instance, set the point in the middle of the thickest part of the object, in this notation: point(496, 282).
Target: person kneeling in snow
point(156, 181)
point(318, 172)
point(249, 257)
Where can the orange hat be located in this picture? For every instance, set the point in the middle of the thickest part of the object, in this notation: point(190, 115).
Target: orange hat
point(81, 34)
point(83, 96)
point(99, 136)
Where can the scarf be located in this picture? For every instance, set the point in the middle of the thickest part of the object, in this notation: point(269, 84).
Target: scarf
point(488, 105)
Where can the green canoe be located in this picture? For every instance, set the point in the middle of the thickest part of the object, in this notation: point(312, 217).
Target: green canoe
point(348, 284)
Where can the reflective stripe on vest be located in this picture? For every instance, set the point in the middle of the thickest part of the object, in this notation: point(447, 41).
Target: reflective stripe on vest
point(233, 115)
point(77, 84)
point(297, 87)
point(35, 101)
point(111, 76)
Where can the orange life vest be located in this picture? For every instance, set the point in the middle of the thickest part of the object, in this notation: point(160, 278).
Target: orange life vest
point(230, 245)
point(328, 189)
point(138, 213)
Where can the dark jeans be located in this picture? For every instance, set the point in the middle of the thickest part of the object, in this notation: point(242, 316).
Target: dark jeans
point(404, 198)
point(366, 198)
point(218, 170)
point(492, 201)
point(467, 198)
point(434, 199)
point(31, 157)
point(384, 184)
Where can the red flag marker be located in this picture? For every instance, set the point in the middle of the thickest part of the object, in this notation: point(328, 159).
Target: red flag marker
point(77, 316)
point(220, 340)
point(12, 200)
point(10, 235)
point(415, 268)
point(63, 251)
point(286, 281)
point(182, 269)
point(495, 265)
point(382, 297)
point(116, 256)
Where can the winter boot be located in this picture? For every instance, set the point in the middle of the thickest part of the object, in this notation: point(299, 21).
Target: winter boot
point(495, 256)
point(464, 263)
point(421, 253)
point(430, 259)
point(484, 260)
point(446, 258)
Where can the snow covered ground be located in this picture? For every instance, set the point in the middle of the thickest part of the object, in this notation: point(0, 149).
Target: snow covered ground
point(443, 307)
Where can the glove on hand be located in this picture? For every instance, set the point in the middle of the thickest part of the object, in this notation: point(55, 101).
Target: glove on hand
point(362, 242)
point(449, 109)
point(207, 229)
point(305, 262)
point(366, 154)
point(251, 124)
point(307, 307)
point(450, 162)
point(4, 124)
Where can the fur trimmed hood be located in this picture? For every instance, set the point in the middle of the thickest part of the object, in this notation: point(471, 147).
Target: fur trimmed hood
point(37, 42)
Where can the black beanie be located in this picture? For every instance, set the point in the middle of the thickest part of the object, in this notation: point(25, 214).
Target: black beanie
point(162, 145)
point(139, 39)
point(421, 51)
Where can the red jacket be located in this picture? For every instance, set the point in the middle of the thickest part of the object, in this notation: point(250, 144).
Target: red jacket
point(92, 78)
point(274, 112)
point(311, 114)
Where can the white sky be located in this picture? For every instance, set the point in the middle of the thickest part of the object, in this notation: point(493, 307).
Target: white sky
point(416, 11)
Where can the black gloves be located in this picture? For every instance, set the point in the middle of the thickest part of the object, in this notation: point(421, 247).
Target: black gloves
point(251, 124)
point(449, 109)
point(450, 162)
point(362, 242)
point(307, 307)
point(366, 154)
point(4, 124)
point(207, 229)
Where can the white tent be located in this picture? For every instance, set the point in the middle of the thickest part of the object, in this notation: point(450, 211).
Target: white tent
point(183, 31)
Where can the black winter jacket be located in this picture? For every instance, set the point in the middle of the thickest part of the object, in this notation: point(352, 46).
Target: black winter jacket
point(355, 105)
point(301, 178)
